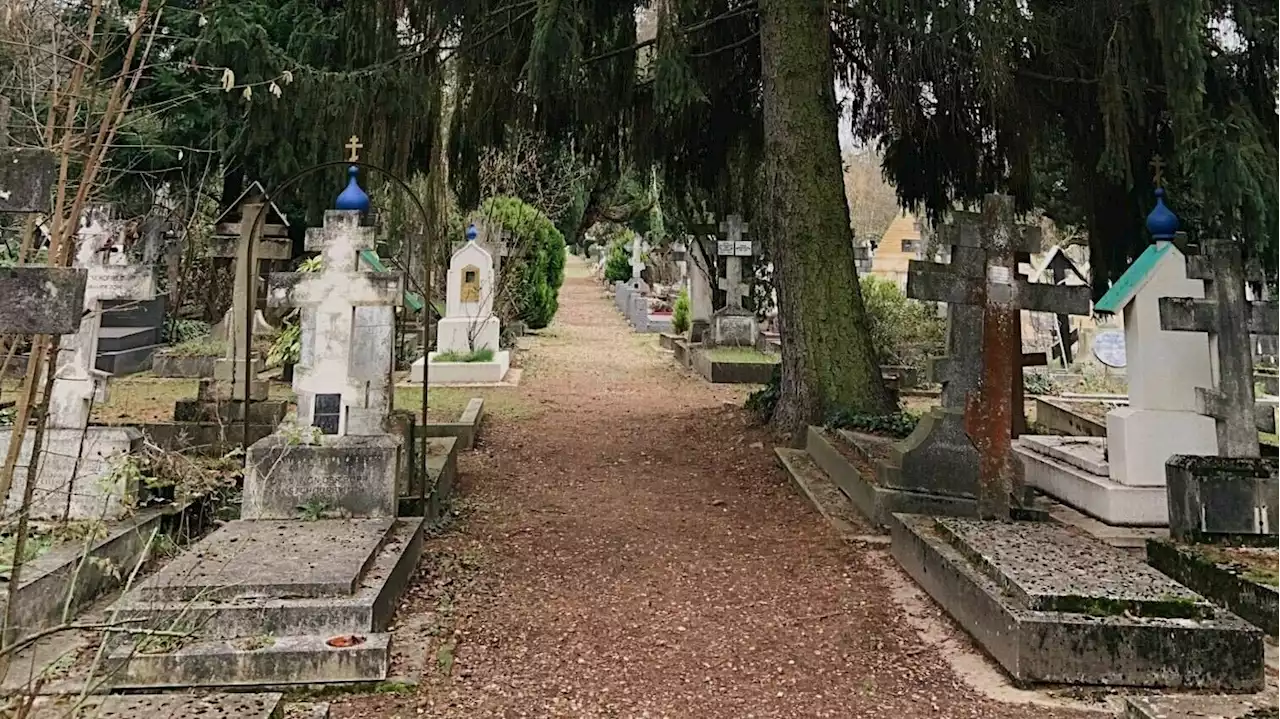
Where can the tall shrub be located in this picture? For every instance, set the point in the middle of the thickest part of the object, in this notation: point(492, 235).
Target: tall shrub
point(680, 313)
point(618, 267)
point(905, 331)
point(538, 257)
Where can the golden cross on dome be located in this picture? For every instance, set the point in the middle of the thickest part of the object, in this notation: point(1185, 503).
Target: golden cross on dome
point(354, 145)
point(1157, 165)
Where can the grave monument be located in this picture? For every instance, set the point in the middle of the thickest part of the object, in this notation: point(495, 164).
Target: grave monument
point(623, 291)
point(1047, 602)
point(235, 388)
point(319, 558)
point(733, 325)
point(940, 466)
point(1121, 479)
point(469, 324)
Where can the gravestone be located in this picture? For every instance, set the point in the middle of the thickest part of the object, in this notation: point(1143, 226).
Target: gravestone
point(700, 296)
point(733, 325)
point(1233, 494)
point(469, 324)
point(625, 291)
point(235, 388)
point(962, 446)
point(344, 390)
point(1121, 479)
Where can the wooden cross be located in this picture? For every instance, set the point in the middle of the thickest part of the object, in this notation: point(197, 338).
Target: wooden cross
point(992, 245)
point(1229, 319)
point(354, 146)
point(329, 300)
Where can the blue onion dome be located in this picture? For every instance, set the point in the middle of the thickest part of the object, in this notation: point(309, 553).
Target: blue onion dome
point(1162, 223)
point(353, 198)
point(472, 232)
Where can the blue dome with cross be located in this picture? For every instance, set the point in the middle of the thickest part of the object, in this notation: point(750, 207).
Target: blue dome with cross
point(472, 232)
point(1162, 223)
point(353, 197)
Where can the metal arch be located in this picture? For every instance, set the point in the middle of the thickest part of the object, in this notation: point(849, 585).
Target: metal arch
point(424, 288)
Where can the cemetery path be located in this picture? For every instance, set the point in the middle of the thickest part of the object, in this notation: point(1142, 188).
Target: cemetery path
point(628, 547)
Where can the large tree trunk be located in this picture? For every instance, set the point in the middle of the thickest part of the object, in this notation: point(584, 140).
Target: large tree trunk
point(828, 361)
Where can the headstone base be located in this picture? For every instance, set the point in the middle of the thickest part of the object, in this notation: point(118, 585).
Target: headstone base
point(224, 386)
point(445, 373)
point(1072, 470)
point(94, 493)
point(270, 412)
point(1224, 499)
point(354, 476)
point(1139, 441)
point(463, 334)
point(697, 329)
point(734, 328)
point(936, 458)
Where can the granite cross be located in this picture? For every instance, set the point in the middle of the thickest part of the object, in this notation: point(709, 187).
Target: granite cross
point(1229, 318)
point(733, 249)
point(335, 392)
point(987, 279)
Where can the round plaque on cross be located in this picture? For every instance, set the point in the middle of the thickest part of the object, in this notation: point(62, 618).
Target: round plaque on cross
point(1108, 347)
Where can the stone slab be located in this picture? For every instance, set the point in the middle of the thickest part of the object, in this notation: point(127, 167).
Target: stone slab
point(164, 364)
point(461, 373)
point(1223, 498)
point(1048, 567)
point(352, 474)
point(1223, 653)
point(721, 372)
point(466, 429)
point(271, 558)
point(87, 455)
point(283, 661)
point(821, 492)
point(1086, 453)
point(1096, 495)
point(1058, 417)
point(164, 706)
point(269, 412)
point(368, 610)
point(42, 299)
point(1228, 585)
point(1198, 707)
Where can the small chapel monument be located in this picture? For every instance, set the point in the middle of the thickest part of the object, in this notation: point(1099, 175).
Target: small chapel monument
point(467, 349)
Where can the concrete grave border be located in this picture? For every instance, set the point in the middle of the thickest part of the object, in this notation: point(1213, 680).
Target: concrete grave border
point(164, 364)
point(721, 372)
point(1256, 603)
point(47, 579)
point(1223, 653)
point(466, 428)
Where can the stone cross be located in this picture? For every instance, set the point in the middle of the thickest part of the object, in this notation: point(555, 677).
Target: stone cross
point(343, 388)
point(983, 276)
point(1229, 319)
point(638, 246)
point(231, 373)
point(496, 243)
point(77, 382)
point(733, 249)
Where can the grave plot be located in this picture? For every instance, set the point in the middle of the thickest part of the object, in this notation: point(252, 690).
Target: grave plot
point(302, 588)
point(166, 706)
point(1050, 605)
point(735, 365)
point(1242, 579)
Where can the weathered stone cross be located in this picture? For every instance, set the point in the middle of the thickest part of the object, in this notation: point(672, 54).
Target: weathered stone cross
point(638, 246)
point(733, 249)
point(991, 244)
point(77, 382)
point(336, 391)
point(1229, 319)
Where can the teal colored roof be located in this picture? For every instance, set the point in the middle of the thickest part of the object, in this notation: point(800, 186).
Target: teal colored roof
point(411, 300)
point(1133, 279)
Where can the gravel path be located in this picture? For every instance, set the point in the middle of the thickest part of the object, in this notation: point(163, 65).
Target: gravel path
point(629, 547)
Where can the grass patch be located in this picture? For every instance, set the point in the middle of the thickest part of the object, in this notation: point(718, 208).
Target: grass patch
point(1269, 438)
point(741, 355)
point(446, 403)
point(481, 355)
point(205, 346)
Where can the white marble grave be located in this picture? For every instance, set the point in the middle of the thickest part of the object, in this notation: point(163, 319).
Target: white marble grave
point(75, 474)
point(1126, 485)
point(469, 324)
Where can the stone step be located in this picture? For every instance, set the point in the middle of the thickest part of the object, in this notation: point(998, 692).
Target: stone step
point(133, 313)
point(114, 339)
point(163, 706)
point(126, 362)
point(1198, 707)
point(255, 661)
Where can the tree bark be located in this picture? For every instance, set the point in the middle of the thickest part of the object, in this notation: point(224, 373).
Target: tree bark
point(828, 360)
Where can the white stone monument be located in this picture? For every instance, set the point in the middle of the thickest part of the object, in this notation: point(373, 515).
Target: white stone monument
point(1126, 483)
point(75, 479)
point(468, 326)
point(733, 324)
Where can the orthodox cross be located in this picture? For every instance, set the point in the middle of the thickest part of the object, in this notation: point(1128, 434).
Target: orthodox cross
point(354, 146)
point(1157, 169)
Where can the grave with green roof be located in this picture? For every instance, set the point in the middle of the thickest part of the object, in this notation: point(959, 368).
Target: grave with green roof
point(1120, 478)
